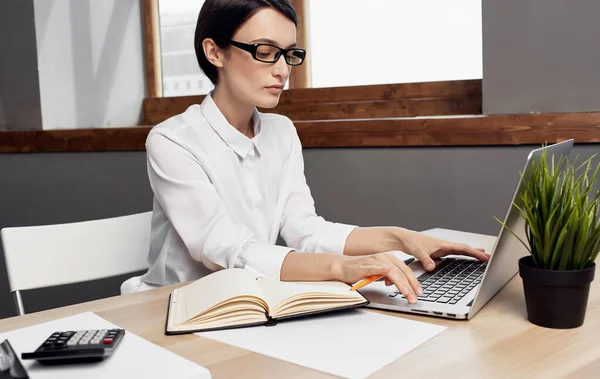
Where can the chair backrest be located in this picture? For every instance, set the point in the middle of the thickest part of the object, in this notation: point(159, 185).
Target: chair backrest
point(49, 255)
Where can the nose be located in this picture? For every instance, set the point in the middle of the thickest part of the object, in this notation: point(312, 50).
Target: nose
point(281, 68)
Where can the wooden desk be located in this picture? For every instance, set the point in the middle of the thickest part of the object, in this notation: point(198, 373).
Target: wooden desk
point(498, 343)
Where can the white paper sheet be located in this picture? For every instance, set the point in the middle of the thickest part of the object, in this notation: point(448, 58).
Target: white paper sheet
point(133, 358)
point(351, 344)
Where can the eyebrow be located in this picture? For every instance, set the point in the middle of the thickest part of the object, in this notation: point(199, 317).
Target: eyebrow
point(271, 42)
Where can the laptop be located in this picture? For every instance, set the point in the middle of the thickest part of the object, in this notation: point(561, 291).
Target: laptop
point(460, 286)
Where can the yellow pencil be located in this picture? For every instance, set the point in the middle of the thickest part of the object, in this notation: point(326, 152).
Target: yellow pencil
point(373, 278)
point(365, 281)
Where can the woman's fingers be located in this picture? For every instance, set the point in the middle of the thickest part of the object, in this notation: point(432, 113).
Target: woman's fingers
point(428, 262)
point(395, 272)
point(460, 249)
point(402, 277)
point(398, 277)
point(410, 275)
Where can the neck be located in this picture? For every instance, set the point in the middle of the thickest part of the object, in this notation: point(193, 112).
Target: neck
point(236, 112)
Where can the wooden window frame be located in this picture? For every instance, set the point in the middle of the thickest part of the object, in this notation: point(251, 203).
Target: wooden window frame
point(382, 115)
point(302, 103)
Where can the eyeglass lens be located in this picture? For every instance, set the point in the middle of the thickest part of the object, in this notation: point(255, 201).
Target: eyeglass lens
point(267, 53)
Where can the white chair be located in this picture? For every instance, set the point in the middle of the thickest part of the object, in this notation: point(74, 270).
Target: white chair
point(50, 255)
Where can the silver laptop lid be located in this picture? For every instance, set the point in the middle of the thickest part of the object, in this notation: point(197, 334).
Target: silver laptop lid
point(503, 263)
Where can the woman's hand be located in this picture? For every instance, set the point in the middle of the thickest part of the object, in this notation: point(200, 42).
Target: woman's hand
point(352, 269)
point(426, 248)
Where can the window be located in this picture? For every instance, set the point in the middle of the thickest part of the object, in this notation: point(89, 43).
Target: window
point(391, 41)
point(179, 64)
point(397, 42)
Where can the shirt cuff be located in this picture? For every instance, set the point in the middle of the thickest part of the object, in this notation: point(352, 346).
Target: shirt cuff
point(266, 259)
point(333, 238)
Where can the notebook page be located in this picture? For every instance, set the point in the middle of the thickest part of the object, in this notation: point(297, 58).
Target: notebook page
point(275, 292)
point(216, 288)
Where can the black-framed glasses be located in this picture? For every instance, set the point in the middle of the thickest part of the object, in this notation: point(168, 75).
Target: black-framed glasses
point(267, 53)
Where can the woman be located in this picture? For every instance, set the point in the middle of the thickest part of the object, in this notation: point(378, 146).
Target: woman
point(228, 180)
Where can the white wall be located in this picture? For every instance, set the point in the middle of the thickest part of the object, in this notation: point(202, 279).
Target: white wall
point(90, 61)
point(362, 42)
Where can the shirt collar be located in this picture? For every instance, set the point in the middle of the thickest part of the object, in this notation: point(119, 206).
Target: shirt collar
point(236, 141)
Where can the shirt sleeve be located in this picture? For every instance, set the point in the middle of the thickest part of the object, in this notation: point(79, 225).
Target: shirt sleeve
point(198, 214)
point(301, 228)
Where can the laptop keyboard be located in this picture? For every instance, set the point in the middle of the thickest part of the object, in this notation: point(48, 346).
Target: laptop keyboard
point(451, 280)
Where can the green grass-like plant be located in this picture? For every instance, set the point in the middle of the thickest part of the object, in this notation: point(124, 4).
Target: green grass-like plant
point(560, 209)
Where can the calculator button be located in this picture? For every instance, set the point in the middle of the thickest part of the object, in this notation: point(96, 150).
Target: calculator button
point(75, 338)
point(48, 343)
point(60, 343)
point(108, 341)
point(99, 337)
point(87, 337)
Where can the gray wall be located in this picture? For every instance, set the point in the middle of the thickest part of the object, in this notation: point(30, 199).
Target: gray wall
point(541, 56)
point(37, 189)
point(19, 87)
point(418, 188)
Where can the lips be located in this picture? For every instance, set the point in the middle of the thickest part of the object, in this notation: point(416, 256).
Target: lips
point(274, 90)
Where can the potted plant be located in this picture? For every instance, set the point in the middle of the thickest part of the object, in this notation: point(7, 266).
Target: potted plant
point(560, 207)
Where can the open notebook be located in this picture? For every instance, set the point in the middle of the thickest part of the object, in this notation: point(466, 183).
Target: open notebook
point(238, 297)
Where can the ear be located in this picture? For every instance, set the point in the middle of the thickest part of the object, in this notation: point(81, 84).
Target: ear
point(213, 53)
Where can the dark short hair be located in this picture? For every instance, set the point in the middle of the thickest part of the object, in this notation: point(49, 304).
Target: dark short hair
point(220, 19)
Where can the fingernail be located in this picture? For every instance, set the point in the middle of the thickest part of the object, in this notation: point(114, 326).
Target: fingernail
point(412, 298)
point(430, 266)
point(420, 291)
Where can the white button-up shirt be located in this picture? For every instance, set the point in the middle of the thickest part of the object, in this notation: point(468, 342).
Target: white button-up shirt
point(221, 199)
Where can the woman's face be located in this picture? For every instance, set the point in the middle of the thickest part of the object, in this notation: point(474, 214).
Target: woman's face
point(255, 82)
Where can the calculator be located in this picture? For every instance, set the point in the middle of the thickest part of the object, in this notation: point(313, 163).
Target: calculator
point(77, 346)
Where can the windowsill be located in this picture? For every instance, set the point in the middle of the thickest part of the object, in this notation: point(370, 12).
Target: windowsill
point(467, 130)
